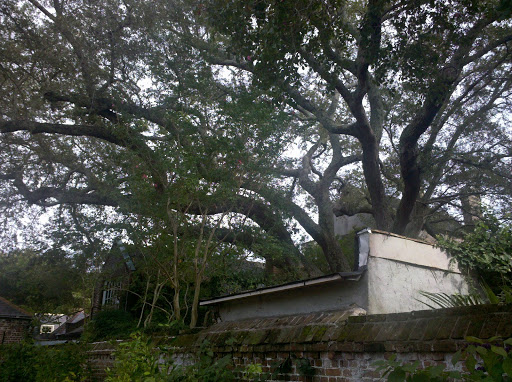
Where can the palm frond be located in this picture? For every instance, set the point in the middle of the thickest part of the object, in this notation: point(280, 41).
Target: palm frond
point(444, 300)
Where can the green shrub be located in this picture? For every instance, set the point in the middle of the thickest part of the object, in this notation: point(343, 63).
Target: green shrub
point(136, 360)
point(140, 360)
point(172, 328)
point(28, 363)
point(17, 363)
point(487, 251)
point(109, 324)
point(207, 368)
point(62, 363)
point(489, 360)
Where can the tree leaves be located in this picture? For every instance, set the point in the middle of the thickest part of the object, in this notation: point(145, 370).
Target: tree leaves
point(216, 91)
point(487, 250)
point(486, 361)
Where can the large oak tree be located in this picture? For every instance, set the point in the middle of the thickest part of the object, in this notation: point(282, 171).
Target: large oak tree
point(398, 109)
point(417, 91)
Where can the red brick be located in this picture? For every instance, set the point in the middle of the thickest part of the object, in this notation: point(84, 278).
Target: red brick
point(438, 356)
point(332, 372)
point(372, 374)
point(13, 330)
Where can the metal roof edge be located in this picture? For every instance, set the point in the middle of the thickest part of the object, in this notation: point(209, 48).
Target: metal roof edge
point(381, 232)
point(19, 317)
point(339, 276)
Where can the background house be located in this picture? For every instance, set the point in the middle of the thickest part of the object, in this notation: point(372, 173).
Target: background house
point(14, 322)
point(66, 328)
point(114, 280)
point(72, 328)
point(50, 322)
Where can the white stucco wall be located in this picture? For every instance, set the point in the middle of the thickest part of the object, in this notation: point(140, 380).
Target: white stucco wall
point(318, 298)
point(409, 251)
point(394, 286)
point(397, 269)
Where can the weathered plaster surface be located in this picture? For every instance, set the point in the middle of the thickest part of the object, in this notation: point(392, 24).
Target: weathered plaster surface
point(395, 286)
point(410, 251)
point(344, 224)
point(395, 270)
point(326, 297)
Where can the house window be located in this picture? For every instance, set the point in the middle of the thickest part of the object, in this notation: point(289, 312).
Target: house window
point(111, 294)
point(47, 328)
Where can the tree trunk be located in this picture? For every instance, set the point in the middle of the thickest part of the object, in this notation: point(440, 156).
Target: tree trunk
point(156, 295)
point(144, 302)
point(417, 220)
point(195, 302)
point(176, 303)
point(334, 254)
point(328, 241)
point(373, 180)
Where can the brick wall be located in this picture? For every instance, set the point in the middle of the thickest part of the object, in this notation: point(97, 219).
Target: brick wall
point(340, 347)
point(13, 330)
point(101, 357)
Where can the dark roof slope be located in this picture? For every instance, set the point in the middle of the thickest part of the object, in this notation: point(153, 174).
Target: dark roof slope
point(9, 310)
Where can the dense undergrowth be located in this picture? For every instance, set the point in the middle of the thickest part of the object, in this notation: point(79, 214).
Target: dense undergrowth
point(25, 362)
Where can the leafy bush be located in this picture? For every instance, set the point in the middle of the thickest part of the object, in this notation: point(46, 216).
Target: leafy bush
point(136, 359)
point(207, 368)
point(26, 362)
point(487, 250)
point(140, 360)
point(17, 363)
point(172, 328)
point(489, 360)
point(444, 300)
point(109, 324)
point(62, 363)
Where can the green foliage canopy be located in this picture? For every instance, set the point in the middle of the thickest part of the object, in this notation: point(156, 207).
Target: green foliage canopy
point(42, 283)
point(143, 106)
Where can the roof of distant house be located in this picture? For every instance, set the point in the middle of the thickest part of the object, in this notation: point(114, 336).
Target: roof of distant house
point(118, 260)
point(9, 310)
point(78, 316)
point(74, 319)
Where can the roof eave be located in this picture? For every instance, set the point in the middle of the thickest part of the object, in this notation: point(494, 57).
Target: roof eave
point(341, 276)
point(17, 317)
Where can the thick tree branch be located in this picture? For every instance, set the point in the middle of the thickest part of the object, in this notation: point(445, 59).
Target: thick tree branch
point(101, 132)
point(43, 196)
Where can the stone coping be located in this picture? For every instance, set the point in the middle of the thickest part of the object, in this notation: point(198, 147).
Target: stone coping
point(427, 330)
